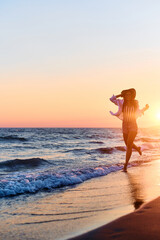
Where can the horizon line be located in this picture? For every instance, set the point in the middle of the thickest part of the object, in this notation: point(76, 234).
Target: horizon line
point(79, 127)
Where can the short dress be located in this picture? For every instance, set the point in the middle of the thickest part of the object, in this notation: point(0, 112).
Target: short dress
point(129, 123)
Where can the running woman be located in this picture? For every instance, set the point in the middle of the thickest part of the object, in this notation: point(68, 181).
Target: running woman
point(128, 111)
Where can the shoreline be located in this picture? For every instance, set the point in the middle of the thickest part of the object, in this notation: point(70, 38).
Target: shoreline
point(144, 183)
point(82, 208)
point(141, 224)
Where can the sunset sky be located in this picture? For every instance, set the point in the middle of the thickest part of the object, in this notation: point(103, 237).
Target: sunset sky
point(62, 60)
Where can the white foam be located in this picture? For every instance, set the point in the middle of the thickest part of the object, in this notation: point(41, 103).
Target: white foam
point(30, 183)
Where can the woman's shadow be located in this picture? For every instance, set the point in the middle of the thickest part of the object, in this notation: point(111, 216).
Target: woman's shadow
point(136, 187)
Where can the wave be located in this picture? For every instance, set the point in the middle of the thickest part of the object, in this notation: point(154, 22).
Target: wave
point(98, 136)
point(110, 150)
point(13, 138)
point(149, 146)
point(17, 164)
point(145, 139)
point(96, 142)
point(107, 150)
point(76, 150)
point(16, 184)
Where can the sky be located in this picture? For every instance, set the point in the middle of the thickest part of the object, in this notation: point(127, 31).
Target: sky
point(62, 60)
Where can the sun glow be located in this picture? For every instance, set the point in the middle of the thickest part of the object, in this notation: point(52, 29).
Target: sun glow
point(158, 115)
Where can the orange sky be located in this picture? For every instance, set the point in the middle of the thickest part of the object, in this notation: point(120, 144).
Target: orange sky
point(81, 100)
point(58, 69)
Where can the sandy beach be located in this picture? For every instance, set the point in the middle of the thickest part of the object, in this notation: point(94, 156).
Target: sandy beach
point(141, 225)
point(143, 222)
point(86, 207)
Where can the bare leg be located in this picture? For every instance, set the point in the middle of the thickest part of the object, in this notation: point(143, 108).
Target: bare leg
point(130, 139)
point(138, 149)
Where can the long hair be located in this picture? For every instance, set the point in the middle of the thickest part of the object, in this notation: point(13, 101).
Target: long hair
point(133, 102)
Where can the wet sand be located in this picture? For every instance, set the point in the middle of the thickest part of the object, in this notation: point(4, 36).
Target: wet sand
point(140, 225)
point(143, 222)
point(82, 208)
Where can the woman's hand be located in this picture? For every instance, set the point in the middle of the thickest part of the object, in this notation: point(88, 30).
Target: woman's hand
point(146, 107)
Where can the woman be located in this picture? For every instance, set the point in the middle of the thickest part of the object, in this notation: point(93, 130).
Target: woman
point(128, 112)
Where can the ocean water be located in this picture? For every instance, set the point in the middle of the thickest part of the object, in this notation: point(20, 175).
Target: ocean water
point(56, 183)
point(45, 159)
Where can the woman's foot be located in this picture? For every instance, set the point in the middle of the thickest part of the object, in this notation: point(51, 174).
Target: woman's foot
point(139, 150)
point(125, 168)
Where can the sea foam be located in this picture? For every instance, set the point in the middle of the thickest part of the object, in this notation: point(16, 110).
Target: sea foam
point(29, 182)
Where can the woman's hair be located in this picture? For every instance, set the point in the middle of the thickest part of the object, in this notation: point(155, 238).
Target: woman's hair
point(131, 90)
point(133, 102)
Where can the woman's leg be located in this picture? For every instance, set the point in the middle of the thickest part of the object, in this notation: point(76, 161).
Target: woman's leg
point(138, 149)
point(130, 139)
point(125, 137)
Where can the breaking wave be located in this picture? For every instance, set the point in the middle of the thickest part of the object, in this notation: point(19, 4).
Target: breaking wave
point(13, 138)
point(21, 183)
point(17, 164)
point(110, 150)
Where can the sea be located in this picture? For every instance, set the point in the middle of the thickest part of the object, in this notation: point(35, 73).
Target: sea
point(41, 159)
point(42, 162)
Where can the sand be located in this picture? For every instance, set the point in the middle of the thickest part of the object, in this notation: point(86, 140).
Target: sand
point(87, 206)
point(142, 224)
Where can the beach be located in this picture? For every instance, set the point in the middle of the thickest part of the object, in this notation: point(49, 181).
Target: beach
point(72, 212)
point(141, 224)
point(67, 182)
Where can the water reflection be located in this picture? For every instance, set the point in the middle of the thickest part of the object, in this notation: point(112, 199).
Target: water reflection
point(136, 187)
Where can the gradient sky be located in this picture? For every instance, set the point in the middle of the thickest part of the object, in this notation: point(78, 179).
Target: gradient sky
point(62, 60)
